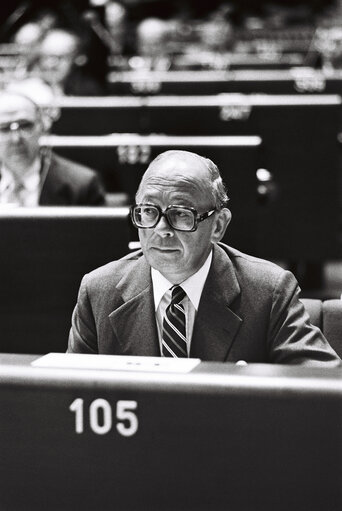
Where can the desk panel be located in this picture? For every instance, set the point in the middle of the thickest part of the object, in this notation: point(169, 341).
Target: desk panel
point(220, 437)
point(44, 254)
point(281, 81)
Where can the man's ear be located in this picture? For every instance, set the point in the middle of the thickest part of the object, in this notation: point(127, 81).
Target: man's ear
point(223, 218)
point(49, 115)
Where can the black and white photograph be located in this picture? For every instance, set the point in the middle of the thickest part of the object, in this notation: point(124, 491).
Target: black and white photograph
point(171, 255)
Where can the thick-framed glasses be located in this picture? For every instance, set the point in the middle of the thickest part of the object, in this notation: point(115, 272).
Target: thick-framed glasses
point(180, 218)
point(25, 127)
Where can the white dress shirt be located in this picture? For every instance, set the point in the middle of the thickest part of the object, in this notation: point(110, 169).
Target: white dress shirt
point(193, 286)
point(29, 194)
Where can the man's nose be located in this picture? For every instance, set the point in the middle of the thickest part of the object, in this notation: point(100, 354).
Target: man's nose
point(15, 134)
point(163, 228)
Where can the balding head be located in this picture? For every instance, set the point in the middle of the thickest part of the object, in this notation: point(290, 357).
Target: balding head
point(59, 42)
point(189, 170)
point(152, 35)
point(13, 102)
point(58, 52)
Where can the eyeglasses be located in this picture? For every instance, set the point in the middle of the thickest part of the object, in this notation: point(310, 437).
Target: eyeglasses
point(26, 128)
point(180, 218)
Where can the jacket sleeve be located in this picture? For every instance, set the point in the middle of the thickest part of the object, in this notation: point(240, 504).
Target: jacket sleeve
point(292, 339)
point(83, 336)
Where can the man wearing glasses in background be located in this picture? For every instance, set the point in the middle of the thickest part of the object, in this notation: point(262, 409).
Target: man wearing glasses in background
point(185, 293)
point(32, 175)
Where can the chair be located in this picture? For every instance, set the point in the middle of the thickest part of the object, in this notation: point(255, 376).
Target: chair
point(327, 315)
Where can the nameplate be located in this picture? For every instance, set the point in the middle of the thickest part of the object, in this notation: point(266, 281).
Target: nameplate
point(116, 363)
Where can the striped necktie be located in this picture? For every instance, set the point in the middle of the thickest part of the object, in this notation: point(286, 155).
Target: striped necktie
point(174, 343)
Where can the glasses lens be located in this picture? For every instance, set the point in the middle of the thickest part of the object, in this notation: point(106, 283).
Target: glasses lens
point(25, 128)
point(146, 216)
point(182, 219)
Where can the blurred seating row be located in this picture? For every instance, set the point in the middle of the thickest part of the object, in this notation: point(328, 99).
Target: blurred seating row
point(220, 114)
point(299, 151)
point(297, 80)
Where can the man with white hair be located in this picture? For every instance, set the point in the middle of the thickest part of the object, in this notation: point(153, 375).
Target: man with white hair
point(61, 62)
point(31, 175)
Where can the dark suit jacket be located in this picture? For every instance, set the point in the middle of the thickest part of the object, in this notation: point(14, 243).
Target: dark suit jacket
point(70, 184)
point(249, 310)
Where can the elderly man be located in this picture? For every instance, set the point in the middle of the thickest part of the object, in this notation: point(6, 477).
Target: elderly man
point(187, 294)
point(31, 175)
point(62, 62)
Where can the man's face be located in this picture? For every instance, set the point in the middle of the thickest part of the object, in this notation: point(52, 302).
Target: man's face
point(180, 181)
point(56, 57)
point(20, 130)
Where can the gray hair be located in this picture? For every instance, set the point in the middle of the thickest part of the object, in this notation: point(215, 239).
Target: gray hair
point(217, 187)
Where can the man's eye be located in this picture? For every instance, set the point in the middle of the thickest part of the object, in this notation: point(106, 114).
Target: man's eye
point(182, 214)
point(26, 125)
point(148, 211)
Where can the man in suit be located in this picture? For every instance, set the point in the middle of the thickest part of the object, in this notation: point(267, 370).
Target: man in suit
point(185, 293)
point(31, 175)
point(63, 62)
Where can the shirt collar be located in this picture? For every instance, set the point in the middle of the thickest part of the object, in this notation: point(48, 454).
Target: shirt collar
point(30, 179)
point(193, 285)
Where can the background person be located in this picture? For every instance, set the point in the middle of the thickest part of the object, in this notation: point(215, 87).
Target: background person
point(32, 175)
point(62, 62)
point(185, 293)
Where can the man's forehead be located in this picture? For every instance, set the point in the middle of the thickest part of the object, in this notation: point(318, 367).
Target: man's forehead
point(12, 106)
point(58, 44)
point(179, 174)
point(170, 191)
point(155, 189)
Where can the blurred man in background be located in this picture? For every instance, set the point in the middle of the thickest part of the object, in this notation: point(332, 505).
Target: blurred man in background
point(62, 63)
point(32, 175)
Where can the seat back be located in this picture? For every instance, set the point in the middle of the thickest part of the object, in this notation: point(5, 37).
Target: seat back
point(327, 315)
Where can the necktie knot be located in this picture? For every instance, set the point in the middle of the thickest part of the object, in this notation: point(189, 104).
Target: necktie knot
point(178, 294)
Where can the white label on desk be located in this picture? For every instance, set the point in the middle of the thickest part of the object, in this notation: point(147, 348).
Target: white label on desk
point(117, 363)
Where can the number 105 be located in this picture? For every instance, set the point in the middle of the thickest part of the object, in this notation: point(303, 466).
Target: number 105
point(101, 416)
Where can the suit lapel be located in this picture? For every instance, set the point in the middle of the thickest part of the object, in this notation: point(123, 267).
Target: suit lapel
point(134, 322)
point(50, 181)
point(53, 182)
point(216, 324)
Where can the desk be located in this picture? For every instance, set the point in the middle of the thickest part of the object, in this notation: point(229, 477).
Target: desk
point(219, 437)
point(206, 82)
point(44, 253)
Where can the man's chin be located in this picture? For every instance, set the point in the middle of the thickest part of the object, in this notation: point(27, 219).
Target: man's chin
point(21, 158)
point(162, 258)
